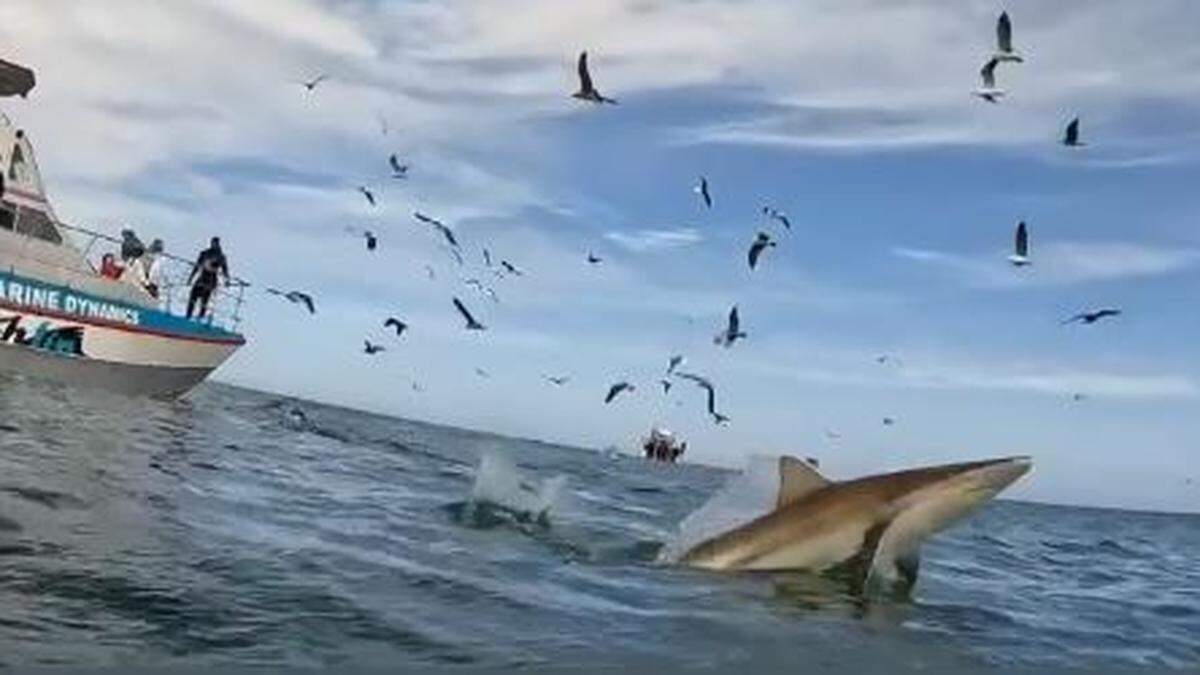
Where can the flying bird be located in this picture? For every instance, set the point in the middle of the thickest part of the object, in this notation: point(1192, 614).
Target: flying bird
point(437, 225)
point(482, 373)
point(616, 390)
point(487, 258)
point(883, 359)
point(368, 194)
point(372, 242)
point(1071, 135)
point(1020, 256)
point(393, 322)
point(296, 297)
point(587, 90)
point(701, 189)
point(430, 273)
point(889, 421)
point(833, 434)
point(674, 362)
point(666, 385)
point(988, 91)
point(372, 349)
point(778, 216)
point(760, 244)
point(1078, 397)
point(398, 170)
point(1092, 317)
point(593, 260)
point(310, 85)
point(472, 324)
point(1004, 48)
point(512, 269)
point(707, 386)
point(558, 380)
point(732, 330)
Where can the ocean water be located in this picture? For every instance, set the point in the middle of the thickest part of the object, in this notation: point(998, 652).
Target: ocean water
point(221, 531)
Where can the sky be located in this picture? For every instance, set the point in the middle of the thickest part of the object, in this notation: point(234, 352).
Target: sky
point(856, 118)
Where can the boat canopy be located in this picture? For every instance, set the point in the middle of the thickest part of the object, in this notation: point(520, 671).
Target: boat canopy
point(15, 80)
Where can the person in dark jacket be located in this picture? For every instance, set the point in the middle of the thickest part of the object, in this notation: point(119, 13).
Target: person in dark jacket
point(203, 278)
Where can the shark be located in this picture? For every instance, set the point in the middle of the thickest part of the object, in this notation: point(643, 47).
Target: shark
point(868, 529)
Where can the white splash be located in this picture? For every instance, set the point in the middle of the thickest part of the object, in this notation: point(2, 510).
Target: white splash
point(498, 482)
point(743, 498)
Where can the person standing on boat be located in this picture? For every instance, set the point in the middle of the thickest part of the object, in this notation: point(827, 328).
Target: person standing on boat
point(149, 268)
point(204, 274)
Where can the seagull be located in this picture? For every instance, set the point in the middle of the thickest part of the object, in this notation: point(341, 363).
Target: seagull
point(833, 434)
point(416, 386)
point(1093, 317)
point(485, 290)
point(372, 349)
point(701, 189)
point(988, 91)
point(439, 226)
point(1004, 49)
point(1020, 256)
point(482, 373)
point(674, 362)
point(616, 389)
point(393, 322)
point(1071, 135)
point(712, 395)
point(761, 242)
point(1078, 397)
point(372, 242)
point(732, 331)
point(367, 193)
point(296, 297)
point(666, 385)
point(778, 216)
point(383, 123)
point(512, 269)
point(885, 358)
point(430, 273)
point(587, 91)
point(889, 421)
point(310, 85)
point(487, 258)
point(557, 381)
point(472, 324)
point(398, 170)
point(592, 259)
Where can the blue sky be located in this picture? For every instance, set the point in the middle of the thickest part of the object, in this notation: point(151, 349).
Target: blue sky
point(856, 118)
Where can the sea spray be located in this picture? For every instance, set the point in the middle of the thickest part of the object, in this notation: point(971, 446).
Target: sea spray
point(500, 485)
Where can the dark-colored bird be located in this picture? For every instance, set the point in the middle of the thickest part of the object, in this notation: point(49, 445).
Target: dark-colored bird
point(310, 85)
point(487, 258)
point(988, 91)
point(593, 260)
point(760, 244)
point(472, 324)
point(616, 390)
point(674, 362)
point(393, 322)
point(778, 216)
point(296, 297)
point(558, 380)
point(701, 189)
point(1071, 135)
point(732, 330)
point(398, 170)
point(368, 194)
point(1078, 397)
point(511, 269)
point(482, 373)
point(889, 421)
point(1093, 317)
point(1020, 256)
point(372, 242)
point(712, 395)
point(437, 225)
point(1004, 48)
point(666, 385)
point(587, 90)
point(372, 349)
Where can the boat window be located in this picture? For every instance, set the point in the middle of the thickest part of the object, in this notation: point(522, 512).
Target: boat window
point(8, 216)
point(38, 225)
point(16, 170)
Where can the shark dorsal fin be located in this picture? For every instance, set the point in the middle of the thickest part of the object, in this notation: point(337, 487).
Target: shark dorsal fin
point(797, 479)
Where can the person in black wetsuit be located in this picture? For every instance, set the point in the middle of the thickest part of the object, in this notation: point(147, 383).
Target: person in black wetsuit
point(204, 274)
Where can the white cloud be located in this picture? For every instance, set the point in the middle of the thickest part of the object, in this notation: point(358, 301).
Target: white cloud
point(1059, 263)
point(646, 241)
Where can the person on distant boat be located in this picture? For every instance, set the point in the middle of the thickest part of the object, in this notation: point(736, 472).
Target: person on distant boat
point(148, 268)
point(132, 248)
point(204, 274)
point(110, 268)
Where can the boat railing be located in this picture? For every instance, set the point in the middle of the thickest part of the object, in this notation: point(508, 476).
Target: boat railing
point(225, 304)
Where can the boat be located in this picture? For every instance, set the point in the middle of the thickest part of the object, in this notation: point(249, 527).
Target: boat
point(662, 446)
point(62, 320)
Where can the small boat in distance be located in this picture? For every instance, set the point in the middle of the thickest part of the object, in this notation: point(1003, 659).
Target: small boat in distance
point(62, 319)
point(662, 446)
